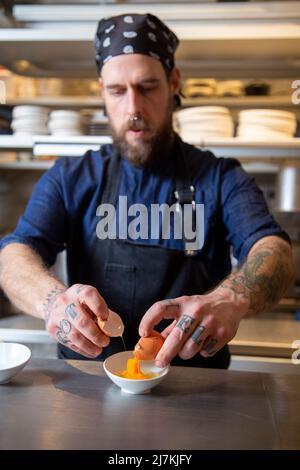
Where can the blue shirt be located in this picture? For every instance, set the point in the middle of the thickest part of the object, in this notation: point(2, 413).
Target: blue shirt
point(61, 212)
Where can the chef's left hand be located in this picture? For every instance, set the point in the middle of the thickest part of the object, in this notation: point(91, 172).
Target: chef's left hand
point(202, 323)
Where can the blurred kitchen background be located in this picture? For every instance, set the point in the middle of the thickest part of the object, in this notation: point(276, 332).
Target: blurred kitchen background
point(240, 65)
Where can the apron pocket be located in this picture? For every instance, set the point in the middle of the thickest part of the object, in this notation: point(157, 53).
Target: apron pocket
point(119, 288)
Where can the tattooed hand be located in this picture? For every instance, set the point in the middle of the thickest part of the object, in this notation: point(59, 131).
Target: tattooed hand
point(202, 323)
point(205, 323)
point(70, 318)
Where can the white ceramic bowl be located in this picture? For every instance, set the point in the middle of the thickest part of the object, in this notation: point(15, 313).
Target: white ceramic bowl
point(30, 111)
point(13, 358)
point(273, 113)
point(195, 111)
point(118, 362)
point(65, 114)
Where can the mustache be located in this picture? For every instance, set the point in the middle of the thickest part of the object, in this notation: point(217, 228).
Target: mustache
point(137, 125)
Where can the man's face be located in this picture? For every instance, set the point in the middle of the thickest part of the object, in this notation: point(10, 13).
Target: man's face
point(136, 85)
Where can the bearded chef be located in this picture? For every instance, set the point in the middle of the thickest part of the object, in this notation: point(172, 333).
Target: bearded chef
point(184, 289)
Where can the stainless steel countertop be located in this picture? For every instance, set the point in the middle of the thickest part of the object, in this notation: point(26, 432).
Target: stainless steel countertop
point(53, 404)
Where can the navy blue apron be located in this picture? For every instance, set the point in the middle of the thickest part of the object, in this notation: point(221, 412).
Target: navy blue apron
point(131, 276)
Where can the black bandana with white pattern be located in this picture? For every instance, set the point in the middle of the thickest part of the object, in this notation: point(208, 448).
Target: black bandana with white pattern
point(135, 34)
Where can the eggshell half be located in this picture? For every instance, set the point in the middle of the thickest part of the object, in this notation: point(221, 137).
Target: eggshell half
point(113, 326)
point(148, 346)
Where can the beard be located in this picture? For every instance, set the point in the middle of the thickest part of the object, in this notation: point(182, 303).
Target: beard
point(145, 152)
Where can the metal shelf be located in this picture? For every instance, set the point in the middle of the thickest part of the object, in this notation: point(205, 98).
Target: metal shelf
point(226, 147)
point(245, 149)
point(59, 101)
point(16, 142)
point(27, 142)
point(256, 157)
point(242, 101)
point(246, 39)
point(96, 101)
point(26, 165)
point(41, 165)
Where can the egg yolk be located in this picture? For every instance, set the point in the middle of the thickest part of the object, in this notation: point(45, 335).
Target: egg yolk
point(133, 371)
point(146, 349)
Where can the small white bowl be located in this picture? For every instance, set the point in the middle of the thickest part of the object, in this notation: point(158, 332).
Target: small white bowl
point(118, 362)
point(13, 358)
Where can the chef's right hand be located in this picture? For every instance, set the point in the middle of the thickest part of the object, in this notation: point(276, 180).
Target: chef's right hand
point(70, 316)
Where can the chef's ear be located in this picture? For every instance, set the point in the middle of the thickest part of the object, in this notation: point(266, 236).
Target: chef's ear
point(175, 81)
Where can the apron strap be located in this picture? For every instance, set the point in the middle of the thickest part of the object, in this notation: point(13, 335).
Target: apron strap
point(112, 179)
point(184, 193)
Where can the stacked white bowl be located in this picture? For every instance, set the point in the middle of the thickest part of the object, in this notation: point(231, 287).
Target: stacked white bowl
point(266, 124)
point(66, 123)
point(98, 124)
point(30, 120)
point(204, 123)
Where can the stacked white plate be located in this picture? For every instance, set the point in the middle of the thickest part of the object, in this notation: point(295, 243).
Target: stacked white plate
point(30, 120)
point(98, 124)
point(266, 124)
point(66, 123)
point(204, 122)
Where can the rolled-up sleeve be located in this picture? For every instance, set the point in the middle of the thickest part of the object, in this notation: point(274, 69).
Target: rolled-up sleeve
point(43, 224)
point(244, 210)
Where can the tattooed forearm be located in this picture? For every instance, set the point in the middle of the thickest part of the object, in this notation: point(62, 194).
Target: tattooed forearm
point(50, 300)
point(264, 277)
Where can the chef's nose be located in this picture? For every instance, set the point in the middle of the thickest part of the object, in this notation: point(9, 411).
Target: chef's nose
point(134, 105)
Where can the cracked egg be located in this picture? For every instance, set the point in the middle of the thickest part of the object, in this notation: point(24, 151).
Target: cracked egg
point(148, 347)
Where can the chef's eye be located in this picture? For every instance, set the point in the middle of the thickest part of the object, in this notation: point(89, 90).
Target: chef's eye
point(147, 89)
point(117, 92)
